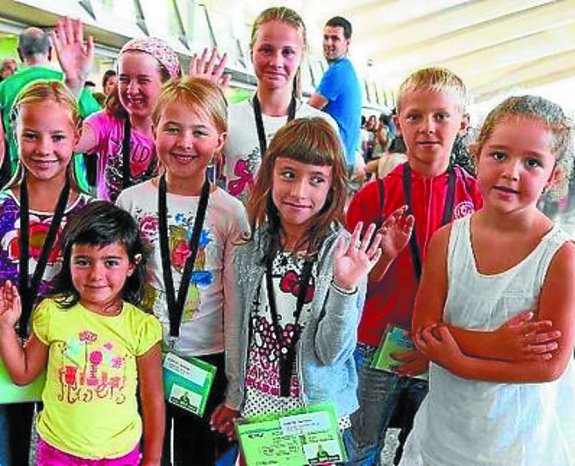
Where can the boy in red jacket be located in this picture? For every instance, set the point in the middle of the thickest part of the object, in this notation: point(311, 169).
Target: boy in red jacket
point(430, 115)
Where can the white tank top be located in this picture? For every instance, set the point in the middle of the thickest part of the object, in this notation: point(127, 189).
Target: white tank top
point(467, 422)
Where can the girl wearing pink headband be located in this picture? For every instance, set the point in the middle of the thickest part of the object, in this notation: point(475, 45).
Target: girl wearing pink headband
point(121, 135)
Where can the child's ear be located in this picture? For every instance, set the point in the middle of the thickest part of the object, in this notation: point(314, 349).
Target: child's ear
point(133, 264)
point(556, 179)
point(77, 134)
point(222, 137)
point(464, 125)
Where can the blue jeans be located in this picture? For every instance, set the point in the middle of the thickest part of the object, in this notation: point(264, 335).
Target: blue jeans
point(380, 395)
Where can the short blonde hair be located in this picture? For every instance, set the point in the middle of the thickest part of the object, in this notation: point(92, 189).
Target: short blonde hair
point(202, 96)
point(435, 80)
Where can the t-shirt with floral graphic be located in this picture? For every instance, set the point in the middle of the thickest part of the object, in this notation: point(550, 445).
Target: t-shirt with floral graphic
point(109, 133)
point(202, 328)
point(262, 377)
point(242, 150)
point(90, 406)
point(39, 225)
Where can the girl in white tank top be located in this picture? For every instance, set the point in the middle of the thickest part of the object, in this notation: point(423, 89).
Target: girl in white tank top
point(495, 311)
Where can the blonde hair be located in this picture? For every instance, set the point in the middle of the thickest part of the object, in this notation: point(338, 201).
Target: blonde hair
point(314, 142)
point(46, 91)
point(287, 16)
point(39, 92)
point(549, 113)
point(435, 80)
point(202, 96)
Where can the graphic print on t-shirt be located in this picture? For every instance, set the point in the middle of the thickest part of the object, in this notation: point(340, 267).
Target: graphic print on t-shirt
point(265, 348)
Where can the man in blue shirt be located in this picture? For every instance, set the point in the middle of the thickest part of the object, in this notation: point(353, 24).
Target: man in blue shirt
point(339, 92)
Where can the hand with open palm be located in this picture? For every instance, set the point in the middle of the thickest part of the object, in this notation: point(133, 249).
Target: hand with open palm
point(75, 55)
point(211, 68)
point(395, 232)
point(10, 308)
point(354, 260)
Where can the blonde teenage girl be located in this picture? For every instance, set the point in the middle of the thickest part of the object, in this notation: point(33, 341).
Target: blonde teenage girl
point(278, 43)
point(34, 207)
point(501, 392)
point(96, 346)
point(121, 134)
point(192, 228)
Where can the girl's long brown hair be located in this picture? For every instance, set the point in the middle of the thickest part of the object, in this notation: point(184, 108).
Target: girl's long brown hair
point(311, 141)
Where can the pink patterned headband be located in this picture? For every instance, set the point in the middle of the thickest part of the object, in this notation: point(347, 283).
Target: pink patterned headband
point(158, 49)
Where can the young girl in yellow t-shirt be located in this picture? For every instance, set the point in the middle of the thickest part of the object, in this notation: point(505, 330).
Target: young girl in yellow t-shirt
point(96, 347)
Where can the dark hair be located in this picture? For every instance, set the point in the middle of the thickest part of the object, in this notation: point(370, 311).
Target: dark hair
point(100, 224)
point(107, 75)
point(341, 22)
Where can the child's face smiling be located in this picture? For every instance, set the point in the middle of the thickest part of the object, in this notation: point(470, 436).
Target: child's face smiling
point(429, 122)
point(99, 274)
point(139, 83)
point(186, 143)
point(46, 139)
point(299, 192)
point(516, 164)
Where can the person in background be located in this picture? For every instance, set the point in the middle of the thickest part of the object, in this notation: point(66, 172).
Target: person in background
point(339, 92)
point(8, 68)
point(109, 82)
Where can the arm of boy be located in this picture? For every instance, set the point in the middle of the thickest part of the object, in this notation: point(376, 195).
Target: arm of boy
point(75, 55)
point(336, 333)
point(23, 364)
point(557, 304)
point(153, 406)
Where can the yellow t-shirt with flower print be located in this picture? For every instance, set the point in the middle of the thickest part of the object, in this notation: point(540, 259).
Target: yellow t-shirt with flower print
point(90, 407)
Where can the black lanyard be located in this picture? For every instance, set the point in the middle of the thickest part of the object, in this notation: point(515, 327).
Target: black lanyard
point(260, 123)
point(287, 359)
point(176, 305)
point(447, 213)
point(126, 172)
point(29, 289)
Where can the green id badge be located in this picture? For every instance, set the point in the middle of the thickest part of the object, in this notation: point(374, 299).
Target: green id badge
point(395, 340)
point(304, 436)
point(187, 382)
point(12, 393)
